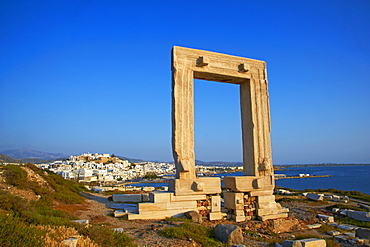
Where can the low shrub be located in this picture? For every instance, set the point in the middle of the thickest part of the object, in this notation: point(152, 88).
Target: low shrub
point(287, 199)
point(106, 237)
point(14, 233)
point(200, 234)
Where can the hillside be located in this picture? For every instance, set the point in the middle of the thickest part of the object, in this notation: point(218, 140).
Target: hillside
point(6, 159)
point(36, 210)
point(27, 153)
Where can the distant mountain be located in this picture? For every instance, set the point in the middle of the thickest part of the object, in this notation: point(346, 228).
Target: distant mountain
point(33, 154)
point(131, 160)
point(218, 163)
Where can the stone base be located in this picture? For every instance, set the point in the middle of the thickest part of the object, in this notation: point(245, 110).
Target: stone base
point(254, 197)
point(197, 186)
point(250, 183)
point(167, 204)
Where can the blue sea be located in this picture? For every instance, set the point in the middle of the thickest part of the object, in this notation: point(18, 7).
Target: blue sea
point(342, 178)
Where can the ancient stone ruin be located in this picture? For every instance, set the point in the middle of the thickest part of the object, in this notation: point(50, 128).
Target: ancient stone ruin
point(249, 196)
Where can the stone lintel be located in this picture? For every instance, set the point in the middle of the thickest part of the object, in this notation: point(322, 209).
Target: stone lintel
point(273, 216)
point(249, 183)
point(197, 186)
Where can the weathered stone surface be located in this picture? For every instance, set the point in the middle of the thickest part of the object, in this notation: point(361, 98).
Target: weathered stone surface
point(363, 233)
point(333, 233)
point(312, 242)
point(216, 216)
point(346, 227)
point(249, 183)
point(359, 215)
point(284, 225)
point(188, 64)
point(186, 187)
point(230, 234)
point(127, 197)
point(314, 197)
point(291, 243)
point(194, 216)
point(314, 226)
point(327, 218)
point(71, 242)
point(216, 204)
point(234, 200)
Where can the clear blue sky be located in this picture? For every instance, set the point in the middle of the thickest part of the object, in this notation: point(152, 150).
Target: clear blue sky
point(94, 76)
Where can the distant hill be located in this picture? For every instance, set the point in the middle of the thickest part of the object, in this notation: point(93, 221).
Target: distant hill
point(6, 159)
point(218, 163)
point(26, 153)
point(131, 160)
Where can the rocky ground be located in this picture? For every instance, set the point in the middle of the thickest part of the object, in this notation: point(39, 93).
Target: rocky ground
point(256, 233)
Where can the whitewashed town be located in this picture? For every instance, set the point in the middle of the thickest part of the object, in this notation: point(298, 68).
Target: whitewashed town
point(104, 170)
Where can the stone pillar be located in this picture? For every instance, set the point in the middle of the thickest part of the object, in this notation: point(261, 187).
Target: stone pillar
point(257, 160)
point(183, 123)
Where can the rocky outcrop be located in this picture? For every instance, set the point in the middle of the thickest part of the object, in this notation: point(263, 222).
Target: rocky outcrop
point(230, 234)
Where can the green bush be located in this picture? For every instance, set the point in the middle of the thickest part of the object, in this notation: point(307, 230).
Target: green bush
point(106, 237)
point(14, 175)
point(199, 233)
point(287, 199)
point(15, 233)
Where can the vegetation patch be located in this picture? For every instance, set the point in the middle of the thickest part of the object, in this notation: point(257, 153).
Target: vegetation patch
point(106, 237)
point(199, 233)
point(37, 223)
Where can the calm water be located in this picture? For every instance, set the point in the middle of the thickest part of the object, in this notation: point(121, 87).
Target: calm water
point(343, 178)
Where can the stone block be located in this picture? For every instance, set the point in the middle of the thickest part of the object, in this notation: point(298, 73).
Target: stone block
point(217, 216)
point(238, 218)
point(359, 215)
point(268, 198)
point(314, 226)
point(145, 197)
point(346, 227)
point(197, 186)
point(71, 242)
point(291, 243)
point(194, 216)
point(160, 196)
point(182, 205)
point(314, 197)
point(127, 197)
point(118, 214)
point(233, 200)
point(187, 198)
point(148, 188)
point(327, 218)
point(273, 216)
point(333, 233)
point(150, 206)
point(215, 203)
point(249, 183)
point(230, 234)
point(363, 233)
point(312, 242)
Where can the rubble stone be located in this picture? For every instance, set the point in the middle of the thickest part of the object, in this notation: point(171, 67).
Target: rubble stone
point(230, 234)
